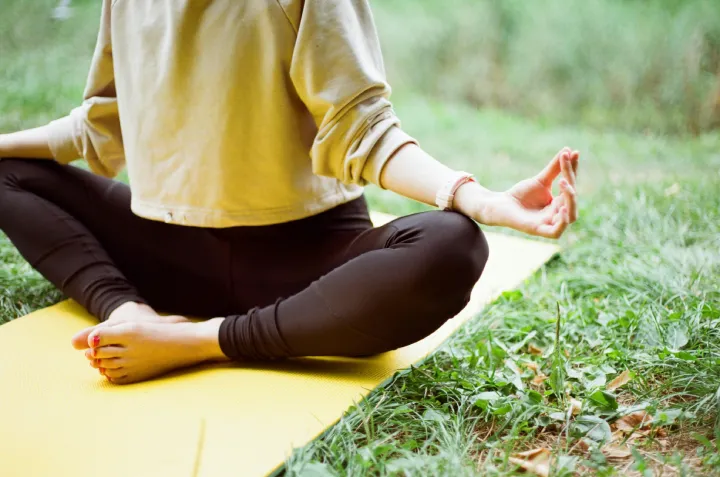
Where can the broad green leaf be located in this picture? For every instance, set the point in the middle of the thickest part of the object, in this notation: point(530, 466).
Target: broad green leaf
point(594, 378)
point(516, 380)
point(433, 415)
point(667, 417)
point(677, 336)
point(556, 381)
point(607, 369)
point(685, 355)
point(412, 444)
point(534, 396)
point(592, 427)
point(574, 373)
point(605, 318)
point(566, 465)
point(604, 400)
point(513, 295)
point(483, 400)
point(498, 351)
point(382, 449)
point(404, 409)
point(502, 410)
point(412, 464)
point(489, 396)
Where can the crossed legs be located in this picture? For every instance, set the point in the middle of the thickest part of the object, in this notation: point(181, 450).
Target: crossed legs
point(326, 285)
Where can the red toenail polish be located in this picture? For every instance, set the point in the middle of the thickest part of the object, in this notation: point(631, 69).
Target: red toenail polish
point(96, 340)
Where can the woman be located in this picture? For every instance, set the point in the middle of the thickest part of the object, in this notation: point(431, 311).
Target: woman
point(248, 129)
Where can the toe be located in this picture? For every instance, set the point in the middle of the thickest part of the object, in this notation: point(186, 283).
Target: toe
point(114, 374)
point(109, 363)
point(113, 334)
point(105, 352)
point(121, 380)
point(80, 340)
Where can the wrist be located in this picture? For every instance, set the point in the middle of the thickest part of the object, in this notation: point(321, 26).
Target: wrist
point(8, 145)
point(476, 202)
point(209, 340)
point(3, 146)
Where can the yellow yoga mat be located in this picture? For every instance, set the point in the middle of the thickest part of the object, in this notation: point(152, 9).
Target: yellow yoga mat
point(59, 418)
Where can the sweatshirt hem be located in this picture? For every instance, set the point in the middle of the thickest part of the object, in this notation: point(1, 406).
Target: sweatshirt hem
point(214, 218)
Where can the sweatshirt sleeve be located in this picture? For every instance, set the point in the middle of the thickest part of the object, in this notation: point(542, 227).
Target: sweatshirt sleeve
point(92, 130)
point(337, 70)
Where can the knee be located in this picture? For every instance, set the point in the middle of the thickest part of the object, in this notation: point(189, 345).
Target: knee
point(7, 178)
point(10, 170)
point(447, 256)
point(459, 249)
point(12, 174)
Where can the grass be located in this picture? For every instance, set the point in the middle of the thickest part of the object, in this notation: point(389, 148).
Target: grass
point(640, 64)
point(636, 289)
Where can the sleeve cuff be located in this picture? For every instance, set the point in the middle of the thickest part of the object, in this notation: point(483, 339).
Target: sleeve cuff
point(61, 139)
point(393, 139)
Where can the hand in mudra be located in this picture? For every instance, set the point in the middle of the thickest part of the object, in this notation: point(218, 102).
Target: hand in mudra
point(529, 206)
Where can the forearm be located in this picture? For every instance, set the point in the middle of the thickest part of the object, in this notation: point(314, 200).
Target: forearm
point(413, 173)
point(31, 143)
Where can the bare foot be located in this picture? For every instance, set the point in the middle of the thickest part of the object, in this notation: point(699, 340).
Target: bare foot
point(131, 352)
point(126, 313)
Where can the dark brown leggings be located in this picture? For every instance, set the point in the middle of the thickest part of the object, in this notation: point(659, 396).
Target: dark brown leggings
point(330, 284)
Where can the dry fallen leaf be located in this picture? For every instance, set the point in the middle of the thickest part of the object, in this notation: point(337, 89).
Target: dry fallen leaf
point(636, 421)
point(615, 452)
point(539, 379)
point(531, 366)
point(536, 461)
point(533, 453)
point(532, 349)
point(621, 380)
point(617, 436)
point(575, 406)
point(584, 444)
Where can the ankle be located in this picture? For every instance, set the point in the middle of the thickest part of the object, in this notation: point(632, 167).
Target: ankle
point(130, 308)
